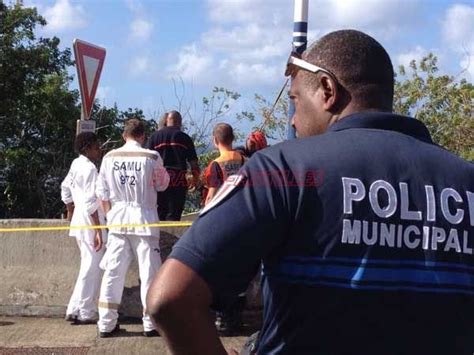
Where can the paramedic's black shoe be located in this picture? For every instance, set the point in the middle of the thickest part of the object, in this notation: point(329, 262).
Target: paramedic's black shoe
point(70, 318)
point(110, 334)
point(78, 321)
point(151, 333)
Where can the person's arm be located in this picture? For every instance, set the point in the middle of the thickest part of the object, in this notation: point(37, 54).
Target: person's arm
point(106, 206)
point(66, 195)
point(196, 172)
point(192, 160)
point(214, 180)
point(161, 178)
point(70, 210)
point(91, 203)
point(210, 194)
point(202, 269)
point(181, 310)
point(98, 232)
point(102, 189)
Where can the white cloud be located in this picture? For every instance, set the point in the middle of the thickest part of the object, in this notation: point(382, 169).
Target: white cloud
point(141, 29)
point(249, 40)
point(458, 25)
point(371, 13)
point(458, 32)
point(235, 10)
point(64, 16)
point(140, 64)
point(135, 6)
point(467, 63)
point(105, 93)
point(415, 54)
point(255, 74)
point(192, 65)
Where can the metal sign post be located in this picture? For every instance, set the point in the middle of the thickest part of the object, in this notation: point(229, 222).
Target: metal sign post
point(300, 40)
point(89, 62)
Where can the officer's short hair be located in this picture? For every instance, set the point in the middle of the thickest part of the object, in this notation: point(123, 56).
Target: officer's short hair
point(134, 128)
point(223, 133)
point(360, 63)
point(83, 141)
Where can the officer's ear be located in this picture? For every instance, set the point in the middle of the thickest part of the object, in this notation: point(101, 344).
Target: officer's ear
point(330, 92)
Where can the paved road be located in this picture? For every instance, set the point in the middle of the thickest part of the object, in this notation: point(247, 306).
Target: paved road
point(20, 335)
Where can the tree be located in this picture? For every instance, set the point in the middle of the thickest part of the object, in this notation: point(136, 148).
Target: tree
point(444, 104)
point(274, 116)
point(36, 129)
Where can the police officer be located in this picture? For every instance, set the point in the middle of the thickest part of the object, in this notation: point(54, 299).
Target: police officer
point(78, 193)
point(128, 180)
point(363, 225)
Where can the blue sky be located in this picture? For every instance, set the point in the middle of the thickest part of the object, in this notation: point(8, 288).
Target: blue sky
point(241, 44)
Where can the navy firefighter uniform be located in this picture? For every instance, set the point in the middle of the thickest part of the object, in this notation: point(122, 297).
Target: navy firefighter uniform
point(365, 235)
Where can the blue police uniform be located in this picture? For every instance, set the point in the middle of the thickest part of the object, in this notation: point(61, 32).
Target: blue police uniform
point(365, 234)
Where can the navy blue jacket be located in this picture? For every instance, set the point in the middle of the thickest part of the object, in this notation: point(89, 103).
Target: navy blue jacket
point(366, 238)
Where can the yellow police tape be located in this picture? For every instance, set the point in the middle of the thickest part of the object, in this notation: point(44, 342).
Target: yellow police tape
point(60, 228)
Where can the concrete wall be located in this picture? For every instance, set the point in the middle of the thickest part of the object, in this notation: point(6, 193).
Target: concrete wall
point(38, 270)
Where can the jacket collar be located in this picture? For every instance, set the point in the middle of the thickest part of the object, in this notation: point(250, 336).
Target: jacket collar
point(132, 143)
point(384, 121)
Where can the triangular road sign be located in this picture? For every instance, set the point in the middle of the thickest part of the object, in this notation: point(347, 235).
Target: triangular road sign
point(89, 62)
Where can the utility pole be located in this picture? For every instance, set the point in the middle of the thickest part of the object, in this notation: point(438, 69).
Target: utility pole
point(300, 40)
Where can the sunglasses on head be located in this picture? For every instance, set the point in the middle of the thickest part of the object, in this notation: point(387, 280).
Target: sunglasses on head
point(295, 63)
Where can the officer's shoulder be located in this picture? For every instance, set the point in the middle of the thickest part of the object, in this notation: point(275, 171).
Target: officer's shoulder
point(448, 157)
point(300, 145)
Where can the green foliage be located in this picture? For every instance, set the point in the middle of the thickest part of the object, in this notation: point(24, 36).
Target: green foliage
point(38, 116)
point(215, 108)
point(274, 119)
point(36, 128)
point(444, 104)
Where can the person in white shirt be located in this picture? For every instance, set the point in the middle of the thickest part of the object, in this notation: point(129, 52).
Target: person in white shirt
point(78, 193)
point(128, 180)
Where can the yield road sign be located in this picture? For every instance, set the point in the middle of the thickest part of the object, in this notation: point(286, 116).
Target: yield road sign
point(89, 62)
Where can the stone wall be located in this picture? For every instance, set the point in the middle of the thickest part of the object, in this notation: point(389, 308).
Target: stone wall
point(38, 270)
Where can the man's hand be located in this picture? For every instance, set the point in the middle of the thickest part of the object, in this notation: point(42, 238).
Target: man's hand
point(70, 211)
point(178, 302)
point(98, 232)
point(98, 240)
point(193, 182)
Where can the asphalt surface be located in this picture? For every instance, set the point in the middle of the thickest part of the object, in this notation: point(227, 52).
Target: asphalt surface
point(25, 335)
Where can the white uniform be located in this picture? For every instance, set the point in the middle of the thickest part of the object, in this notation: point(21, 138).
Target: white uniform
point(129, 178)
point(79, 187)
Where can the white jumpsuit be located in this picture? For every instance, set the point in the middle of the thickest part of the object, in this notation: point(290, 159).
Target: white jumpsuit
point(79, 187)
point(129, 178)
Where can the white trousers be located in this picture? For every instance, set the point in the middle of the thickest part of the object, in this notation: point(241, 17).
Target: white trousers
point(83, 302)
point(120, 251)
